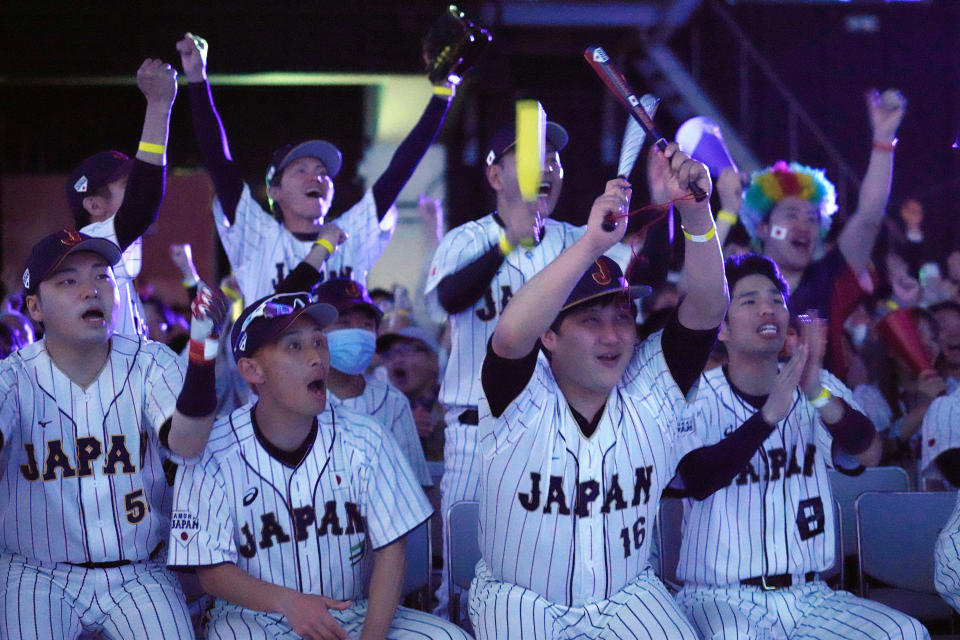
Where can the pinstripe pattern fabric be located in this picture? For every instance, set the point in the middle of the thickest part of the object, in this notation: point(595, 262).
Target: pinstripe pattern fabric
point(947, 556)
point(470, 329)
point(262, 251)
point(641, 610)
point(568, 517)
point(775, 517)
point(128, 311)
point(82, 469)
point(231, 622)
point(726, 538)
point(388, 406)
point(940, 431)
point(811, 611)
point(308, 528)
point(56, 601)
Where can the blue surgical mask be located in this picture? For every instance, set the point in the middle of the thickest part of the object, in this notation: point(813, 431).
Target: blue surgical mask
point(351, 349)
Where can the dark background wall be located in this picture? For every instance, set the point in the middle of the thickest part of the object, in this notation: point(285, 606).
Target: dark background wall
point(47, 129)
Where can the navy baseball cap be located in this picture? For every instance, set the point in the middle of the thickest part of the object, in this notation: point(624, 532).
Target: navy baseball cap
point(344, 294)
point(267, 318)
point(602, 278)
point(324, 151)
point(52, 250)
point(506, 137)
point(92, 174)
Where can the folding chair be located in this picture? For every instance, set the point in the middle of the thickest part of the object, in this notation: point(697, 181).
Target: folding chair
point(419, 563)
point(462, 532)
point(846, 489)
point(896, 534)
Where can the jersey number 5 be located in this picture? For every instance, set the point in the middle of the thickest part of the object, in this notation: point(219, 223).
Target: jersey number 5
point(136, 506)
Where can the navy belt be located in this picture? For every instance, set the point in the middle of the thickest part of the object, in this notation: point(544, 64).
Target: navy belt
point(782, 581)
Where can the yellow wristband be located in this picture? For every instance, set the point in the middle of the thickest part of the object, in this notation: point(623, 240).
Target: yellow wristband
point(727, 216)
point(822, 399)
point(150, 147)
point(504, 244)
point(442, 90)
point(326, 244)
point(704, 238)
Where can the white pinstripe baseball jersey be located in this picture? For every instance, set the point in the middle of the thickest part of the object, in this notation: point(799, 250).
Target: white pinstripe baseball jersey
point(567, 516)
point(776, 516)
point(470, 329)
point(306, 528)
point(262, 251)
point(939, 432)
point(947, 560)
point(128, 312)
point(82, 470)
point(390, 408)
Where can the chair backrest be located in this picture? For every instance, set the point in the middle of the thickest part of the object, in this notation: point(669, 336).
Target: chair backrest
point(846, 489)
point(897, 532)
point(669, 530)
point(463, 534)
point(419, 555)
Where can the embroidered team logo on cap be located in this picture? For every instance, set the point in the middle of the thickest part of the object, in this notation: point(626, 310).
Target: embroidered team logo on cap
point(601, 276)
point(26, 279)
point(491, 157)
point(72, 239)
point(80, 186)
point(272, 171)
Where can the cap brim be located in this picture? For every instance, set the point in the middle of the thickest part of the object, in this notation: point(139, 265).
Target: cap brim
point(101, 246)
point(322, 313)
point(327, 153)
point(634, 292)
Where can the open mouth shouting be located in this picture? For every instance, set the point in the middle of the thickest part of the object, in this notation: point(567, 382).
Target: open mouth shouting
point(317, 388)
point(94, 316)
point(769, 330)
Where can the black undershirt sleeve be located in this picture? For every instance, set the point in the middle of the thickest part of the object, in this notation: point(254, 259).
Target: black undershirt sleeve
point(686, 351)
point(141, 202)
point(212, 140)
point(408, 155)
point(303, 277)
point(707, 469)
point(503, 379)
point(853, 432)
point(461, 289)
point(949, 464)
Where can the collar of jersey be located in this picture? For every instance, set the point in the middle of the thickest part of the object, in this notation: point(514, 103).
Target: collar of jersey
point(543, 227)
point(290, 459)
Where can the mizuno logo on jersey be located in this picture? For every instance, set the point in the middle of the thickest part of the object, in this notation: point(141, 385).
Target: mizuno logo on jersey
point(586, 492)
point(780, 465)
point(81, 464)
point(302, 521)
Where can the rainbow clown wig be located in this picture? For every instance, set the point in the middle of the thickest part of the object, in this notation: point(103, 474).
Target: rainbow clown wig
point(771, 185)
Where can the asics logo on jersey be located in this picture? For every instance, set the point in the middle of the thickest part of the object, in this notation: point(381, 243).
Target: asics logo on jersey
point(587, 492)
point(781, 465)
point(302, 521)
point(250, 496)
point(80, 463)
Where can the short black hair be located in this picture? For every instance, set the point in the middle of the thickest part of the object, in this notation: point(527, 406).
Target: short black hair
point(748, 264)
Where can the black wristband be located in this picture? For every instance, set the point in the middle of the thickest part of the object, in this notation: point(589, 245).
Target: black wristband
point(198, 398)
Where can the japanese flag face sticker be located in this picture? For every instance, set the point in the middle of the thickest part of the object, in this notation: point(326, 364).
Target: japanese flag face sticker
point(778, 233)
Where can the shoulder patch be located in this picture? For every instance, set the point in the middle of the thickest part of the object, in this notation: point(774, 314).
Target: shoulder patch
point(184, 526)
